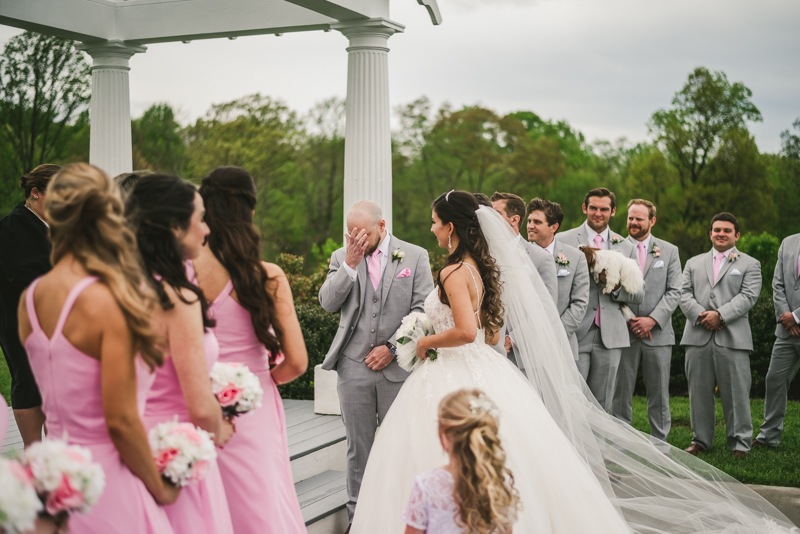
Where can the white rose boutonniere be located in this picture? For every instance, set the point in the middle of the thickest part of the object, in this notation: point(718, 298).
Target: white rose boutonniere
point(616, 239)
point(398, 255)
point(562, 260)
point(733, 257)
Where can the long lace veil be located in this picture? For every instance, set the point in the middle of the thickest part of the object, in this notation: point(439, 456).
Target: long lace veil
point(657, 488)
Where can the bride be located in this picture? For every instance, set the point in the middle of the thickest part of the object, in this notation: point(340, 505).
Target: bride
point(576, 468)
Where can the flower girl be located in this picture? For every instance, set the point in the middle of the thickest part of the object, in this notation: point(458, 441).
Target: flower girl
point(474, 493)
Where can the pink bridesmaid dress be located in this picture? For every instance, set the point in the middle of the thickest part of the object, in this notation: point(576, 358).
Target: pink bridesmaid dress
point(69, 381)
point(255, 462)
point(201, 506)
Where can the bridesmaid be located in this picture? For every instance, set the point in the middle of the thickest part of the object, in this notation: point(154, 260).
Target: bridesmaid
point(255, 317)
point(86, 328)
point(168, 216)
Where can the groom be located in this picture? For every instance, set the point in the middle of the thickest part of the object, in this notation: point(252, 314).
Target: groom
point(375, 280)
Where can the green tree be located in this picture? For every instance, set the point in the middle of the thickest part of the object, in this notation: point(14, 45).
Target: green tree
point(784, 172)
point(159, 143)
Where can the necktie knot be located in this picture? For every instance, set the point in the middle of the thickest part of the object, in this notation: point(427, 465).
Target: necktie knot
point(598, 241)
point(641, 246)
point(720, 255)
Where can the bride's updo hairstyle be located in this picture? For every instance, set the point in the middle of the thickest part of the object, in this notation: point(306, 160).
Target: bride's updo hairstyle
point(484, 487)
point(459, 207)
point(230, 197)
point(158, 204)
point(86, 220)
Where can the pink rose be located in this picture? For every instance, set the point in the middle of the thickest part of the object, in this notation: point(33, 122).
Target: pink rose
point(23, 474)
point(65, 497)
point(164, 457)
point(199, 470)
point(188, 430)
point(229, 395)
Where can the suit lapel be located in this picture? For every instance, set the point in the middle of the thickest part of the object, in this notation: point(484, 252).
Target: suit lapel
point(726, 265)
point(583, 235)
point(362, 279)
point(709, 263)
point(650, 257)
point(795, 254)
point(391, 269)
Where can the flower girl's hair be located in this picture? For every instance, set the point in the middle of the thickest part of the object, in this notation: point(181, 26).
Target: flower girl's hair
point(484, 487)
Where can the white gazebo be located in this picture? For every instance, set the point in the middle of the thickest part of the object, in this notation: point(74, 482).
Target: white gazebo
point(112, 31)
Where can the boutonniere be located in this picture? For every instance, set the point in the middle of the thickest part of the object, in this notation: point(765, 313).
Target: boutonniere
point(616, 239)
point(562, 260)
point(656, 251)
point(398, 255)
point(733, 257)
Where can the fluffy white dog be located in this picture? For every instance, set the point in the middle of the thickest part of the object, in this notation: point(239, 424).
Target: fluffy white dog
point(618, 269)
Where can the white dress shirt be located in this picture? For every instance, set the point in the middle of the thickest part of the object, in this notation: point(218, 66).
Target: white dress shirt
point(646, 243)
point(384, 248)
point(551, 248)
point(605, 234)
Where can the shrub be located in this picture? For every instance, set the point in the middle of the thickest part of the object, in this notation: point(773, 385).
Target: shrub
point(764, 248)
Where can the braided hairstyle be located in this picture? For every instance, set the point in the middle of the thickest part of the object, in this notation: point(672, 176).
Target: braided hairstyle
point(459, 207)
point(158, 204)
point(229, 194)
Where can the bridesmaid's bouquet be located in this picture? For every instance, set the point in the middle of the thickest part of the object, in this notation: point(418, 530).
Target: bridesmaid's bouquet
point(19, 502)
point(414, 326)
point(64, 476)
point(237, 389)
point(182, 451)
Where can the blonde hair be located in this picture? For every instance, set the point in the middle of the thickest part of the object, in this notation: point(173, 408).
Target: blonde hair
point(484, 487)
point(86, 219)
point(651, 209)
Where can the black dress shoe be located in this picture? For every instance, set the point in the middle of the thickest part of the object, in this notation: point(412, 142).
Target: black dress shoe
point(694, 449)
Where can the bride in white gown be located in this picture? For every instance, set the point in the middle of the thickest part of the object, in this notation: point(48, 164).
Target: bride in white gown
point(577, 469)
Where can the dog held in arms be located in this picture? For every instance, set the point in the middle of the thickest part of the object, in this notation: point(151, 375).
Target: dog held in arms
point(618, 269)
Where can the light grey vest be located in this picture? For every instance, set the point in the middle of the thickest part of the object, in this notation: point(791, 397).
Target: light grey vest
point(365, 333)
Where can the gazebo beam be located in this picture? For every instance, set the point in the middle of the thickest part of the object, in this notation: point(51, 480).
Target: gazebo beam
point(71, 19)
point(343, 10)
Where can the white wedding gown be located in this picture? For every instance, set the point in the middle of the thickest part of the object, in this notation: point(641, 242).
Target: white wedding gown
point(558, 492)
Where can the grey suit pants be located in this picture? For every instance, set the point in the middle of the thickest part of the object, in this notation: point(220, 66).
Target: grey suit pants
point(655, 363)
point(783, 368)
point(364, 396)
point(713, 366)
point(598, 366)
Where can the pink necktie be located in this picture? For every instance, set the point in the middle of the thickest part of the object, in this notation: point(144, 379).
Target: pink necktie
point(598, 243)
point(642, 256)
point(717, 264)
point(374, 265)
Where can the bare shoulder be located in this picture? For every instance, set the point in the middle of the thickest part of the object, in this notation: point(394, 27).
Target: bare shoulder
point(98, 306)
point(184, 301)
point(273, 271)
point(454, 274)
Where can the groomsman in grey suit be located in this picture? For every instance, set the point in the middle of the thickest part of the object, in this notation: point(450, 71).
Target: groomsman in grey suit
point(572, 271)
point(512, 208)
point(375, 280)
point(652, 336)
point(603, 333)
point(786, 352)
point(719, 288)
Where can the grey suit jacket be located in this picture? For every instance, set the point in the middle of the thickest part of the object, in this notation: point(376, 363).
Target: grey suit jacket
point(662, 282)
point(613, 326)
point(543, 262)
point(401, 296)
point(785, 283)
point(573, 290)
point(732, 296)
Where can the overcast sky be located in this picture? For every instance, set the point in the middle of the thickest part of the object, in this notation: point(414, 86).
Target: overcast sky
point(603, 65)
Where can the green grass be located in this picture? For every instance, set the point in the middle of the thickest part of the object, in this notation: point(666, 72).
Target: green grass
point(5, 379)
point(760, 466)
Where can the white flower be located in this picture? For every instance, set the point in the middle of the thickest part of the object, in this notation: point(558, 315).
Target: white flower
point(182, 451)
point(483, 405)
point(413, 326)
point(237, 388)
point(398, 255)
point(19, 503)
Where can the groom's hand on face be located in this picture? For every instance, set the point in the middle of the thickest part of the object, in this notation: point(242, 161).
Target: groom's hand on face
point(357, 244)
point(378, 358)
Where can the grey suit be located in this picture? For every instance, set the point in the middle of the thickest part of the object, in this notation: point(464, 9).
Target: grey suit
point(369, 318)
point(662, 279)
point(785, 359)
point(720, 358)
point(600, 348)
point(573, 290)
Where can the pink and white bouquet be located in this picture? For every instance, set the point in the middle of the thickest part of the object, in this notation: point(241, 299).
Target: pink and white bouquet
point(64, 475)
point(237, 389)
point(414, 326)
point(19, 502)
point(182, 451)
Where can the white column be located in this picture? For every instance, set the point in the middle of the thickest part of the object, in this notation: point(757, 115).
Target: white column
point(110, 115)
point(368, 136)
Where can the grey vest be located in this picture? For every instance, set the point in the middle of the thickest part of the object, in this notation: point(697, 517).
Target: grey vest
point(365, 333)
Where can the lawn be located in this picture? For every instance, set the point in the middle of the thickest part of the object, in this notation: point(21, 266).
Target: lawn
point(5, 379)
point(766, 467)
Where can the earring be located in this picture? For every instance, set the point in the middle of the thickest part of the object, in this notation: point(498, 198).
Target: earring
point(35, 198)
point(449, 242)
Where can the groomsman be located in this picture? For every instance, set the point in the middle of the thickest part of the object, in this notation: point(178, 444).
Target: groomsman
point(572, 271)
point(651, 335)
point(603, 333)
point(786, 352)
point(719, 288)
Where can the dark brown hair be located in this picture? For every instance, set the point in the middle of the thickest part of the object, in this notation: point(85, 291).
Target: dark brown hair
point(230, 197)
point(727, 217)
point(482, 199)
point(459, 207)
point(552, 211)
point(38, 178)
point(601, 192)
point(514, 205)
point(651, 209)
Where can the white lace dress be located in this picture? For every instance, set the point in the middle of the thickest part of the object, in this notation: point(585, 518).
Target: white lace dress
point(431, 507)
point(558, 492)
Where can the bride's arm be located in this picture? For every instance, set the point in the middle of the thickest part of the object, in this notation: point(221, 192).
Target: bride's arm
point(456, 284)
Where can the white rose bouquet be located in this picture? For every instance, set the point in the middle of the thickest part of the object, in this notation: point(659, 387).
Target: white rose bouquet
point(64, 476)
point(237, 389)
point(19, 503)
point(182, 451)
point(414, 326)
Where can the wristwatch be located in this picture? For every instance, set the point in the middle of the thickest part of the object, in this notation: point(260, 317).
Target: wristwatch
point(392, 348)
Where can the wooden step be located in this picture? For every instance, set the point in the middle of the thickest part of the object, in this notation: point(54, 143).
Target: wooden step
point(322, 495)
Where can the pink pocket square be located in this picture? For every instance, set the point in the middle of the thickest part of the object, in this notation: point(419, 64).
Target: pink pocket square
point(404, 273)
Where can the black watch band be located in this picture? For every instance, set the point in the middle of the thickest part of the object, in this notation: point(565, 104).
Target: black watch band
point(392, 348)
